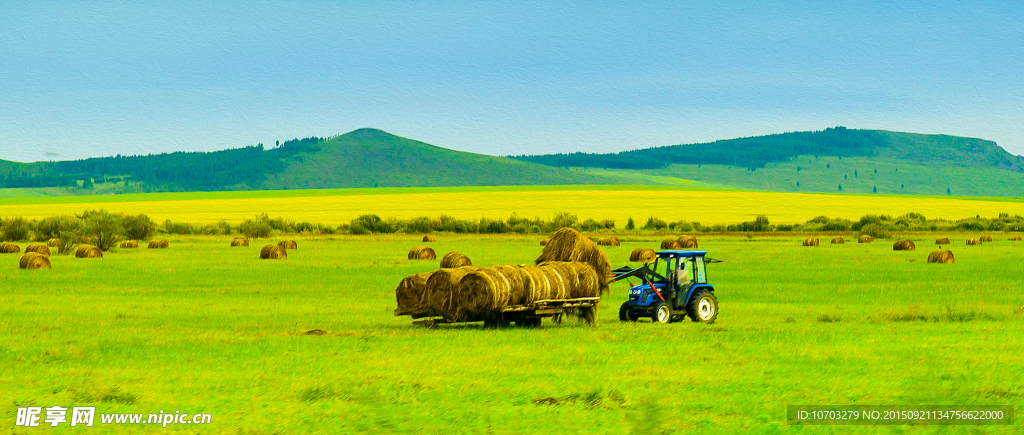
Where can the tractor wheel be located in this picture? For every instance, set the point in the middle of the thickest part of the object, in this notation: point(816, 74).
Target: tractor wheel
point(662, 313)
point(625, 314)
point(703, 307)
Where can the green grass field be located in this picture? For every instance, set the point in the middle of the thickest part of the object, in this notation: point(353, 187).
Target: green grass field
point(202, 327)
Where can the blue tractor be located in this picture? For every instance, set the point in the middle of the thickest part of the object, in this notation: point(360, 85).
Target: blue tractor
point(674, 286)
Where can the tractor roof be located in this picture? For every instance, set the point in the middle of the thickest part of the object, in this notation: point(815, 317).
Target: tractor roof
point(681, 253)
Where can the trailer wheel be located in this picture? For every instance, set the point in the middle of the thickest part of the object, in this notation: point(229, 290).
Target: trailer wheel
point(662, 313)
point(528, 322)
point(703, 307)
point(625, 315)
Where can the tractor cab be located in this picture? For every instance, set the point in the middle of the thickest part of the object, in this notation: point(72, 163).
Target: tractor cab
point(674, 286)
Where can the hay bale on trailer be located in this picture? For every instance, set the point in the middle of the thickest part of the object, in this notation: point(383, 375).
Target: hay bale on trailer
point(986, 238)
point(944, 256)
point(87, 251)
point(428, 239)
point(240, 241)
point(38, 248)
point(609, 241)
point(454, 259)
point(569, 245)
point(33, 261)
point(646, 255)
point(442, 290)
point(838, 241)
point(53, 243)
point(158, 244)
point(865, 239)
point(9, 248)
point(903, 245)
point(273, 252)
point(129, 244)
point(811, 242)
point(973, 241)
point(288, 244)
point(942, 241)
point(422, 253)
point(411, 296)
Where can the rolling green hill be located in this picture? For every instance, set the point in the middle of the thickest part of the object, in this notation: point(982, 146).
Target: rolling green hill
point(362, 158)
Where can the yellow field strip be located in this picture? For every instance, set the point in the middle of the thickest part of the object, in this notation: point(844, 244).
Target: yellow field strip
point(706, 206)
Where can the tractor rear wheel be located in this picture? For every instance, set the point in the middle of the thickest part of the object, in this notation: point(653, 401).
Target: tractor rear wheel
point(662, 313)
point(703, 307)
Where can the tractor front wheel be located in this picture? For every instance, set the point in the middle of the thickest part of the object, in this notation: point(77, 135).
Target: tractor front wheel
point(662, 313)
point(703, 307)
point(624, 314)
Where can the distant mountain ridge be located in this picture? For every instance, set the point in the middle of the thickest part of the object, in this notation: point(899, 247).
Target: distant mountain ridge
point(756, 152)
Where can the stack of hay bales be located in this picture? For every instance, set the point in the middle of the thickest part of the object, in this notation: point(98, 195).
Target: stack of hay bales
point(428, 239)
point(942, 241)
point(422, 253)
point(158, 244)
point(9, 248)
point(273, 252)
point(1015, 239)
point(130, 244)
point(288, 244)
point(646, 255)
point(903, 245)
point(53, 243)
point(865, 239)
point(683, 242)
point(986, 238)
point(240, 241)
point(609, 241)
point(944, 256)
point(33, 260)
point(973, 242)
point(86, 251)
point(838, 241)
point(811, 242)
point(568, 245)
point(38, 248)
point(454, 259)
point(468, 293)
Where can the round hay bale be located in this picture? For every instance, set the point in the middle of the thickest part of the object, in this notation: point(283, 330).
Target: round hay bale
point(646, 255)
point(34, 260)
point(443, 288)
point(483, 290)
point(273, 252)
point(838, 241)
point(158, 244)
point(687, 242)
point(240, 241)
point(411, 296)
point(942, 241)
point(129, 244)
point(544, 241)
point(53, 243)
point(9, 248)
point(865, 239)
point(903, 245)
point(973, 241)
point(569, 245)
point(671, 244)
point(38, 248)
point(86, 251)
point(811, 242)
point(986, 238)
point(944, 256)
point(428, 239)
point(609, 241)
point(422, 253)
point(1015, 239)
point(288, 244)
point(454, 259)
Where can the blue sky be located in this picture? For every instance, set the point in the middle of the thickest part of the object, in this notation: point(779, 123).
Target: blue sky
point(80, 79)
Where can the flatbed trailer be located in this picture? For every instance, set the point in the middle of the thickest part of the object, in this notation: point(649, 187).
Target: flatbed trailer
point(528, 316)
